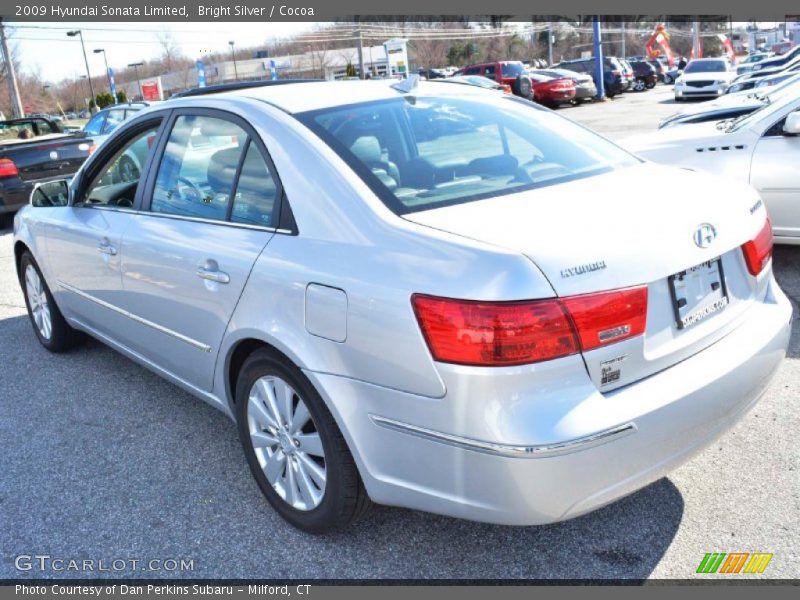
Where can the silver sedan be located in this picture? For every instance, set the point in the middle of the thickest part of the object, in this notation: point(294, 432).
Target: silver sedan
point(429, 296)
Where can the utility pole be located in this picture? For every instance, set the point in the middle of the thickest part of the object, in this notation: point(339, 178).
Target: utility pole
point(624, 53)
point(361, 74)
point(696, 51)
point(233, 56)
point(138, 79)
point(549, 44)
point(79, 33)
point(108, 71)
point(11, 76)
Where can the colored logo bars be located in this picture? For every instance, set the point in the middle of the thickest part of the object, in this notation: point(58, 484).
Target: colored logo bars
point(735, 562)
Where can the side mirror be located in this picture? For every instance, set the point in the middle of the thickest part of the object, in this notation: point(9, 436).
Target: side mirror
point(792, 124)
point(50, 193)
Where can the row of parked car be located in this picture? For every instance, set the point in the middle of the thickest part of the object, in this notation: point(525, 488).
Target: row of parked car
point(567, 82)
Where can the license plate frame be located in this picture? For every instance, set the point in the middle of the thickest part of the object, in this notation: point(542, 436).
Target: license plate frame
point(715, 300)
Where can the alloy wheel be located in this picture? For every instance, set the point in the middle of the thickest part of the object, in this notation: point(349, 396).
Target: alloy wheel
point(286, 442)
point(37, 299)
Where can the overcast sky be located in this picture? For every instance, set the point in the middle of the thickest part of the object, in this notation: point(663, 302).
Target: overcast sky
point(57, 56)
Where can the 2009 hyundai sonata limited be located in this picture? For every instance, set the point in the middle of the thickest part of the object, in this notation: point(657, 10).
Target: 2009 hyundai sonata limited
point(429, 297)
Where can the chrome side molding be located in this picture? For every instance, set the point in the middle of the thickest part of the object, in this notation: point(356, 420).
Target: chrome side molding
point(510, 451)
point(192, 342)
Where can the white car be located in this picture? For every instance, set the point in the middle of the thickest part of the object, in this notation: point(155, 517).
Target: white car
point(704, 78)
point(762, 148)
point(734, 105)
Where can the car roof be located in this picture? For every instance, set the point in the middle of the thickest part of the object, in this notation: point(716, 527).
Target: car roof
point(314, 95)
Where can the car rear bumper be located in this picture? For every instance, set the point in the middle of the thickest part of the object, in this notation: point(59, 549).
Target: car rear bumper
point(14, 194)
point(491, 451)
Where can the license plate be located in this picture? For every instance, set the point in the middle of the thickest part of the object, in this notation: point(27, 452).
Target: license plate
point(698, 293)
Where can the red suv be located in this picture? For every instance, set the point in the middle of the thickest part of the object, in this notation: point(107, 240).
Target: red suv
point(511, 72)
point(544, 90)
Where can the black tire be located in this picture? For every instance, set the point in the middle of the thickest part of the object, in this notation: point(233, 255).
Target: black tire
point(522, 86)
point(62, 336)
point(650, 85)
point(345, 499)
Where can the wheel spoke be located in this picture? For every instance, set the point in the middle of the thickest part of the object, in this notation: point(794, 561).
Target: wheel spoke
point(300, 418)
point(316, 472)
point(259, 412)
point(308, 491)
point(284, 399)
point(262, 439)
point(268, 393)
point(310, 443)
point(275, 466)
point(290, 485)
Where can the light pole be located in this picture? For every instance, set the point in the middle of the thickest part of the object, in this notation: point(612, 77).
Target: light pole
point(86, 61)
point(105, 60)
point(233, 55)
point(139, 81)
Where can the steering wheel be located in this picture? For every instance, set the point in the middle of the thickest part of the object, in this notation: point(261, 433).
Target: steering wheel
point(195, 190)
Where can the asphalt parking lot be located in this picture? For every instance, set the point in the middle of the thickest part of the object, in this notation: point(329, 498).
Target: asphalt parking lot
point(100, 459)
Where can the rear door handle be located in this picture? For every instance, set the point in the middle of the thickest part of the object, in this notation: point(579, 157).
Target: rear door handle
point(213, 275)
point(107, 248)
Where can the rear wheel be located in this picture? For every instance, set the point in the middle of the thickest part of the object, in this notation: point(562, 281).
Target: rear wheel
point(522, 87)
point(638, 85)
point(295, 450)
point(49, 325)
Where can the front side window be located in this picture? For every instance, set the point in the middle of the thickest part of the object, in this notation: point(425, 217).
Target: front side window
point(118, 178)
point(419, 153)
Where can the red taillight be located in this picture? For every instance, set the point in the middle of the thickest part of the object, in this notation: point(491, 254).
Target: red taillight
point(494, 333)
point(608, 317)
point(8, 168)
point(758, 251)
point(513, 333)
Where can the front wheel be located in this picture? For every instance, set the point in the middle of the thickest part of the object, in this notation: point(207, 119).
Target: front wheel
point(294, 448)
point(49, 325)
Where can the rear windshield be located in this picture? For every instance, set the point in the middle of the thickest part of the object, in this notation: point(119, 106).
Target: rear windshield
point(706, 66)
point(513, 69)
point(418, 153)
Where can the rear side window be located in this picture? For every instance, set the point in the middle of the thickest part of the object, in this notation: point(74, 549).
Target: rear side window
point(513, 69)
point(256, 191)
point(489, 71)
point(472, 71)
point(211, 169)
point(418, 153)
point(196, 174)
point(95, 124)
point(113, 119)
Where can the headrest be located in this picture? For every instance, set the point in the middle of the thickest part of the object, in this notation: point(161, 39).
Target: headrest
point(222, 169)
point(367, 148)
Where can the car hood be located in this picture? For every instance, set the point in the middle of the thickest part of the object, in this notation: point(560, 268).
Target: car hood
point(713, 75)
point(739, 100)
point(593, 234)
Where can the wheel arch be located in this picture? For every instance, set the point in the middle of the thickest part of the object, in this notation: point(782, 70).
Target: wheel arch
point(20, 248)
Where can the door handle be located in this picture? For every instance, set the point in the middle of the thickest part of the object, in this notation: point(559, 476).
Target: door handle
point(213, 275)
point(107, 248)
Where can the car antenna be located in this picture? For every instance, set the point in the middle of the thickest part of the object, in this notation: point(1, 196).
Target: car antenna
point(407, 85)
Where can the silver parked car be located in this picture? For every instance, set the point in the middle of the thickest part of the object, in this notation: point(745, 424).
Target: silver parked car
point(432, 297)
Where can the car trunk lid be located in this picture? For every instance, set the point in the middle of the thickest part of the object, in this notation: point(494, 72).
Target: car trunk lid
point(623, 229)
